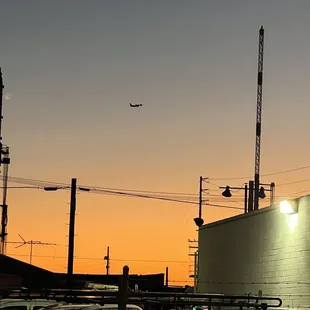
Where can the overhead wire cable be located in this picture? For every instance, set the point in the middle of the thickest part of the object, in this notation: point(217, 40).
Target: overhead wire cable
point(262, 175)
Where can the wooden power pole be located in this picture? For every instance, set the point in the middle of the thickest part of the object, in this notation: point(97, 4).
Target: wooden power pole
point(71, 232)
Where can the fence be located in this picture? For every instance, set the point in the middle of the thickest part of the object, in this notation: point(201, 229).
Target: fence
point(124, 296)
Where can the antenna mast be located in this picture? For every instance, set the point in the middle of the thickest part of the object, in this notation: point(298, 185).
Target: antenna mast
point(5, 160)
point(258, 116)
point(31, 243)
point(1, 98)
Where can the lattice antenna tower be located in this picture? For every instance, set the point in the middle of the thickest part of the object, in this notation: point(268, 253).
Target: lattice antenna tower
point(259, 115)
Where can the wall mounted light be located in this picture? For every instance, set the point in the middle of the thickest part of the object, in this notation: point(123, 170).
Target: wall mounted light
point(289, 206)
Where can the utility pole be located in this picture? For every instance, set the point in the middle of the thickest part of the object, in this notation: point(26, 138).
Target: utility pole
point(5, 160)
point(200, 197)
point(245, 198)
point(198, 220)
point(195, 271)
point(258, 116)
point(250, 202)
point(123, 289)
point(107, 258)
point(195, 254)
point(71, 232)
point(272, 195)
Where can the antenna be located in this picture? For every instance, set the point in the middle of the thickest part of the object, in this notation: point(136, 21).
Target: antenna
point(31, 243)
point(258, 116)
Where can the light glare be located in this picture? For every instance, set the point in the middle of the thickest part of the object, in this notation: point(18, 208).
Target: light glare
point(286, 207)
point(292, 221)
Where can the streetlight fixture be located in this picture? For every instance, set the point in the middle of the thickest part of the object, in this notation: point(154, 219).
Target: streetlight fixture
point(84, 189)
point(199, 220)
point(52, 189)
point(271, 189)
point(248, 203)
point(261, 193)
point(227, 194)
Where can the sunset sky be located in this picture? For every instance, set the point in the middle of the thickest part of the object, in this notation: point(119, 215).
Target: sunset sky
point(70, 68)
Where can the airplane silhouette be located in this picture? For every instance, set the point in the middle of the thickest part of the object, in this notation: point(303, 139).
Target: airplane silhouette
point(135, 105)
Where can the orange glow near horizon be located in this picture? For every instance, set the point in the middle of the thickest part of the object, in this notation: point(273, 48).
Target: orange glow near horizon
point(69, 75)
point(147, 235)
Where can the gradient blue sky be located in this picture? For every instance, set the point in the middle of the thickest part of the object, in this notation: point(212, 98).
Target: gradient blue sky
point(71, 68)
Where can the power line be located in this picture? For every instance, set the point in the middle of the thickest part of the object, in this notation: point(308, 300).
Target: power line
point(262, 175)
point(120, 193)
point(286, 171)
point(21, 187)
point(293, 182)
point(34, 182)
point(167, 196)
point(161, 198)
point(145, 191)
point(295, 193)
point(226, 207)
point(142, 196)
point(41, 182)
point(101, 259)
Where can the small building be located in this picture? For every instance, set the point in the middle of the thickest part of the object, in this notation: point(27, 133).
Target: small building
point(10, 282)
point(264, 251)
point(36, 278)
point(32, 276)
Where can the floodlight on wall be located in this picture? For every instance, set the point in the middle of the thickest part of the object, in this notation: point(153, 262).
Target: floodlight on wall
point(288, 207)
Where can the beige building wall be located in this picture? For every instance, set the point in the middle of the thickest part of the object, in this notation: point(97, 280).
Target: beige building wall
point(262, 250)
